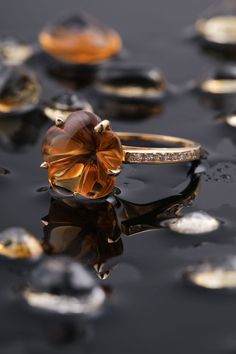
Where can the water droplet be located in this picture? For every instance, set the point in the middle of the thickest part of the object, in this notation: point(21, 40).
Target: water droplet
point(222, 174)
point(213, 276)
point(17, 242)
point(194, 223)
point(63, 286)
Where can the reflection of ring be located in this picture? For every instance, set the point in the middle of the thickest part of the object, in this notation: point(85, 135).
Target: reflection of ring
point(83, 155)
point(91, 232)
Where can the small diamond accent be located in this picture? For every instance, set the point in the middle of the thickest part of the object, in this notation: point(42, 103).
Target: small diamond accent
point(137, 157)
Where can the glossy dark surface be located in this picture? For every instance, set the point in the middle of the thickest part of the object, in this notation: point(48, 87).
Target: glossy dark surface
point(150, 309)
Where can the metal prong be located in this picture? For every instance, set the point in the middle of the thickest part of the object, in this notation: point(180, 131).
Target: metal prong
point(44, 165)
point(98, 267)
point(59, 122)
point(114, 172)
point(103, 125)
point(104, 276)
point(44, 222)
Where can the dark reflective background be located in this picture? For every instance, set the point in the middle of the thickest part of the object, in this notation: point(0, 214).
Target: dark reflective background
point(150, 309)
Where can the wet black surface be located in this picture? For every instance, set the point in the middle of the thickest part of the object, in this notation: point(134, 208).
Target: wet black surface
point(150, 309)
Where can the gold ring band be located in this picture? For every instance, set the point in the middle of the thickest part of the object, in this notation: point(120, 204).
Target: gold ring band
point(187, 151)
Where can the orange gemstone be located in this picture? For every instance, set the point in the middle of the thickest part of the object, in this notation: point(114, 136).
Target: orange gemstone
point(80, 40)
point(80, 159)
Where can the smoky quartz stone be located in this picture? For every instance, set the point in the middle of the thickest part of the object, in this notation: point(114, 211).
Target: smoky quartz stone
point(63, 104)
point(130, 90)
point(19, 90)
point(63, 286)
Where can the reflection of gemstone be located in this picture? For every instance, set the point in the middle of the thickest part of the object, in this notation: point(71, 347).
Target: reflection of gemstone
point(13, 52)
point(88, 233)
point(64, 104)
point(63, 286)
point(81, 40)
point(132, 82)
point(16, 242)
point(221, 82)
point(80, 159)
point(19, 90)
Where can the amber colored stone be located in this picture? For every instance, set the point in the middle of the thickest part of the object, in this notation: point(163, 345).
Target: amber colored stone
point(17, 242)
point(80, 40)
point(80, 159)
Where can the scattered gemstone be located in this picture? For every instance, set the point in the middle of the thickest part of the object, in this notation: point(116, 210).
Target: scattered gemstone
point(17, 242)
point(80, 39)
point(132, 83)
point(13, 52)
point(19, 90)
point(81, 159)
point(194, 223)
point(63, 286)
point(217, 27)
point(213, 276)
point(64, 104)
point(222, 81)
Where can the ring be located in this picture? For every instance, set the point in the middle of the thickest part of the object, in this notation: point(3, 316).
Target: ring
point(83, 155)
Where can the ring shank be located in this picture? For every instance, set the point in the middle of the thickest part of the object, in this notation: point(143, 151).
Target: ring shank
point(185, 151)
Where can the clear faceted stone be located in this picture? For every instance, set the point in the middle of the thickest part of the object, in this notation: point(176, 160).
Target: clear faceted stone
point(214, 276)
point(217, 25)
point(62, 105)
point(194, 223)
point(133, 82)
point(17, 242)
point(64, 286)
point(13, 52)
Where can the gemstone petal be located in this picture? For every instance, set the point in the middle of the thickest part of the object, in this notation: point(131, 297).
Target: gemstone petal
point(79, 159)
